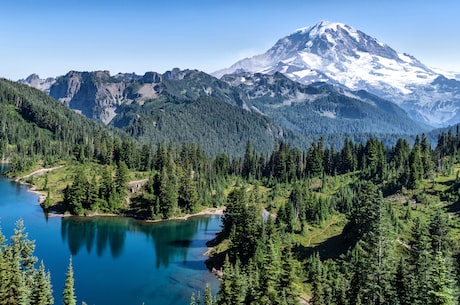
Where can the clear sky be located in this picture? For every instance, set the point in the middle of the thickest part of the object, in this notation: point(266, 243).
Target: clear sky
point(52, 37)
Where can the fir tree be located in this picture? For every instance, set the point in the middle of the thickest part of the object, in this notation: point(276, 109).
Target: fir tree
point(69, 292)
point(121, 177)
point(42, 293)
point(225, 294)
point(208, 299)
point(441, 292)
point(402, 284)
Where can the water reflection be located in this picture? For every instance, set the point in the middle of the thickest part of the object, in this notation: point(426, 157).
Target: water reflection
point(170, 240)
point(90, 233)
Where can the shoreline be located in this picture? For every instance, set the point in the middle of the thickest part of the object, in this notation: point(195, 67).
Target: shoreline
point(42, 197)
point(206, 212)
point(32, 187)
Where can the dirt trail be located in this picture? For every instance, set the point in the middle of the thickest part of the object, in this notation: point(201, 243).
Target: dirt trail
point(38, 173)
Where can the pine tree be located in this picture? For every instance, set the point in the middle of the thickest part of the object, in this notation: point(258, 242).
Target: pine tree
point(208, 299)
point(121, 177)
point(249, 162)
point(23, 248)
point(187, 193)
point(318, 291)
point(441, 292)
point(107, 187)
point(69, 291)
point(167, 194)
point(17, 292)
point(375, 159)
point(415, 166)
point(42, 293)
point(288, 281)
point(192, 299)
point(238, 285)
point(438, 230)
point(426, 155)
point(270, 272)
point(225, 291)
point(419, 261)
point(401, 284)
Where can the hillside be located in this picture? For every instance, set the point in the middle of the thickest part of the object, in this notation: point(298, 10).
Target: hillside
point(320, 108)
point(36, 127)
point(214, 125)
point(222, 115)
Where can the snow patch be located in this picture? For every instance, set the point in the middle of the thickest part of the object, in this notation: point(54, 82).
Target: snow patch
point(327, 113)
point(258, 110)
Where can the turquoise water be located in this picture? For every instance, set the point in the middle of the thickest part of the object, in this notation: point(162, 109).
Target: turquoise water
point(116, 260)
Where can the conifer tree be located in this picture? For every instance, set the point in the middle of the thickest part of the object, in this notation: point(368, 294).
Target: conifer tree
point(415, 166)
point(23, 248)
point(438, 230)
point(419, 261)
point(238, 284)
point(187, 194)
point(167, 194)
point(441, 292)
point(121, 177)
point(107, 187)
point(402, 284)
point(225, 294)
point(42, 293)
point(193, 300)
point(288, 280)
point(249, 165)
point(270, 272)
point(69, 292)
point(426, 156)
point(208, 299)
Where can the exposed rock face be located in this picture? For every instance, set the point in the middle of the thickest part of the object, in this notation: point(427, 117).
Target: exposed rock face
point(35, 81)
point(98, 95)
point(92, 94)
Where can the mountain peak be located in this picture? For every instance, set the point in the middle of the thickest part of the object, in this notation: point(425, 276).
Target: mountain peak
point(338, 54)
point(322, 26)
point(35, 81)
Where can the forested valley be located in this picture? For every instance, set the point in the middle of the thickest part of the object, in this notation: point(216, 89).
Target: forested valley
point(363, 224)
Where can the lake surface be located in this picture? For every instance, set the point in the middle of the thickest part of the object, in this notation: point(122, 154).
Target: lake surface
point(116, 260)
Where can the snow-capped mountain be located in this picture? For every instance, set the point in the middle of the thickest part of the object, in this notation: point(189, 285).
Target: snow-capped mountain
point(338, 54)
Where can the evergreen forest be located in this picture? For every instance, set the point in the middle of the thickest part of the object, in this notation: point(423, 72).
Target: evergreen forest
point(366, 223)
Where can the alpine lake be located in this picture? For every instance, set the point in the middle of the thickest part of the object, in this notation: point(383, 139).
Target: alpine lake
point(116, 260)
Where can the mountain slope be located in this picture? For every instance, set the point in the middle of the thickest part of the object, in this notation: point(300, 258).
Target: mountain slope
point(98, 95)
point(340, 55)
point(34, 126)
point(213, 125)
point(222, 115)
point(320, 108)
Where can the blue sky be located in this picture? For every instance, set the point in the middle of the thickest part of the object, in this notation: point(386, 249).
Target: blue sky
point(51, 37)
